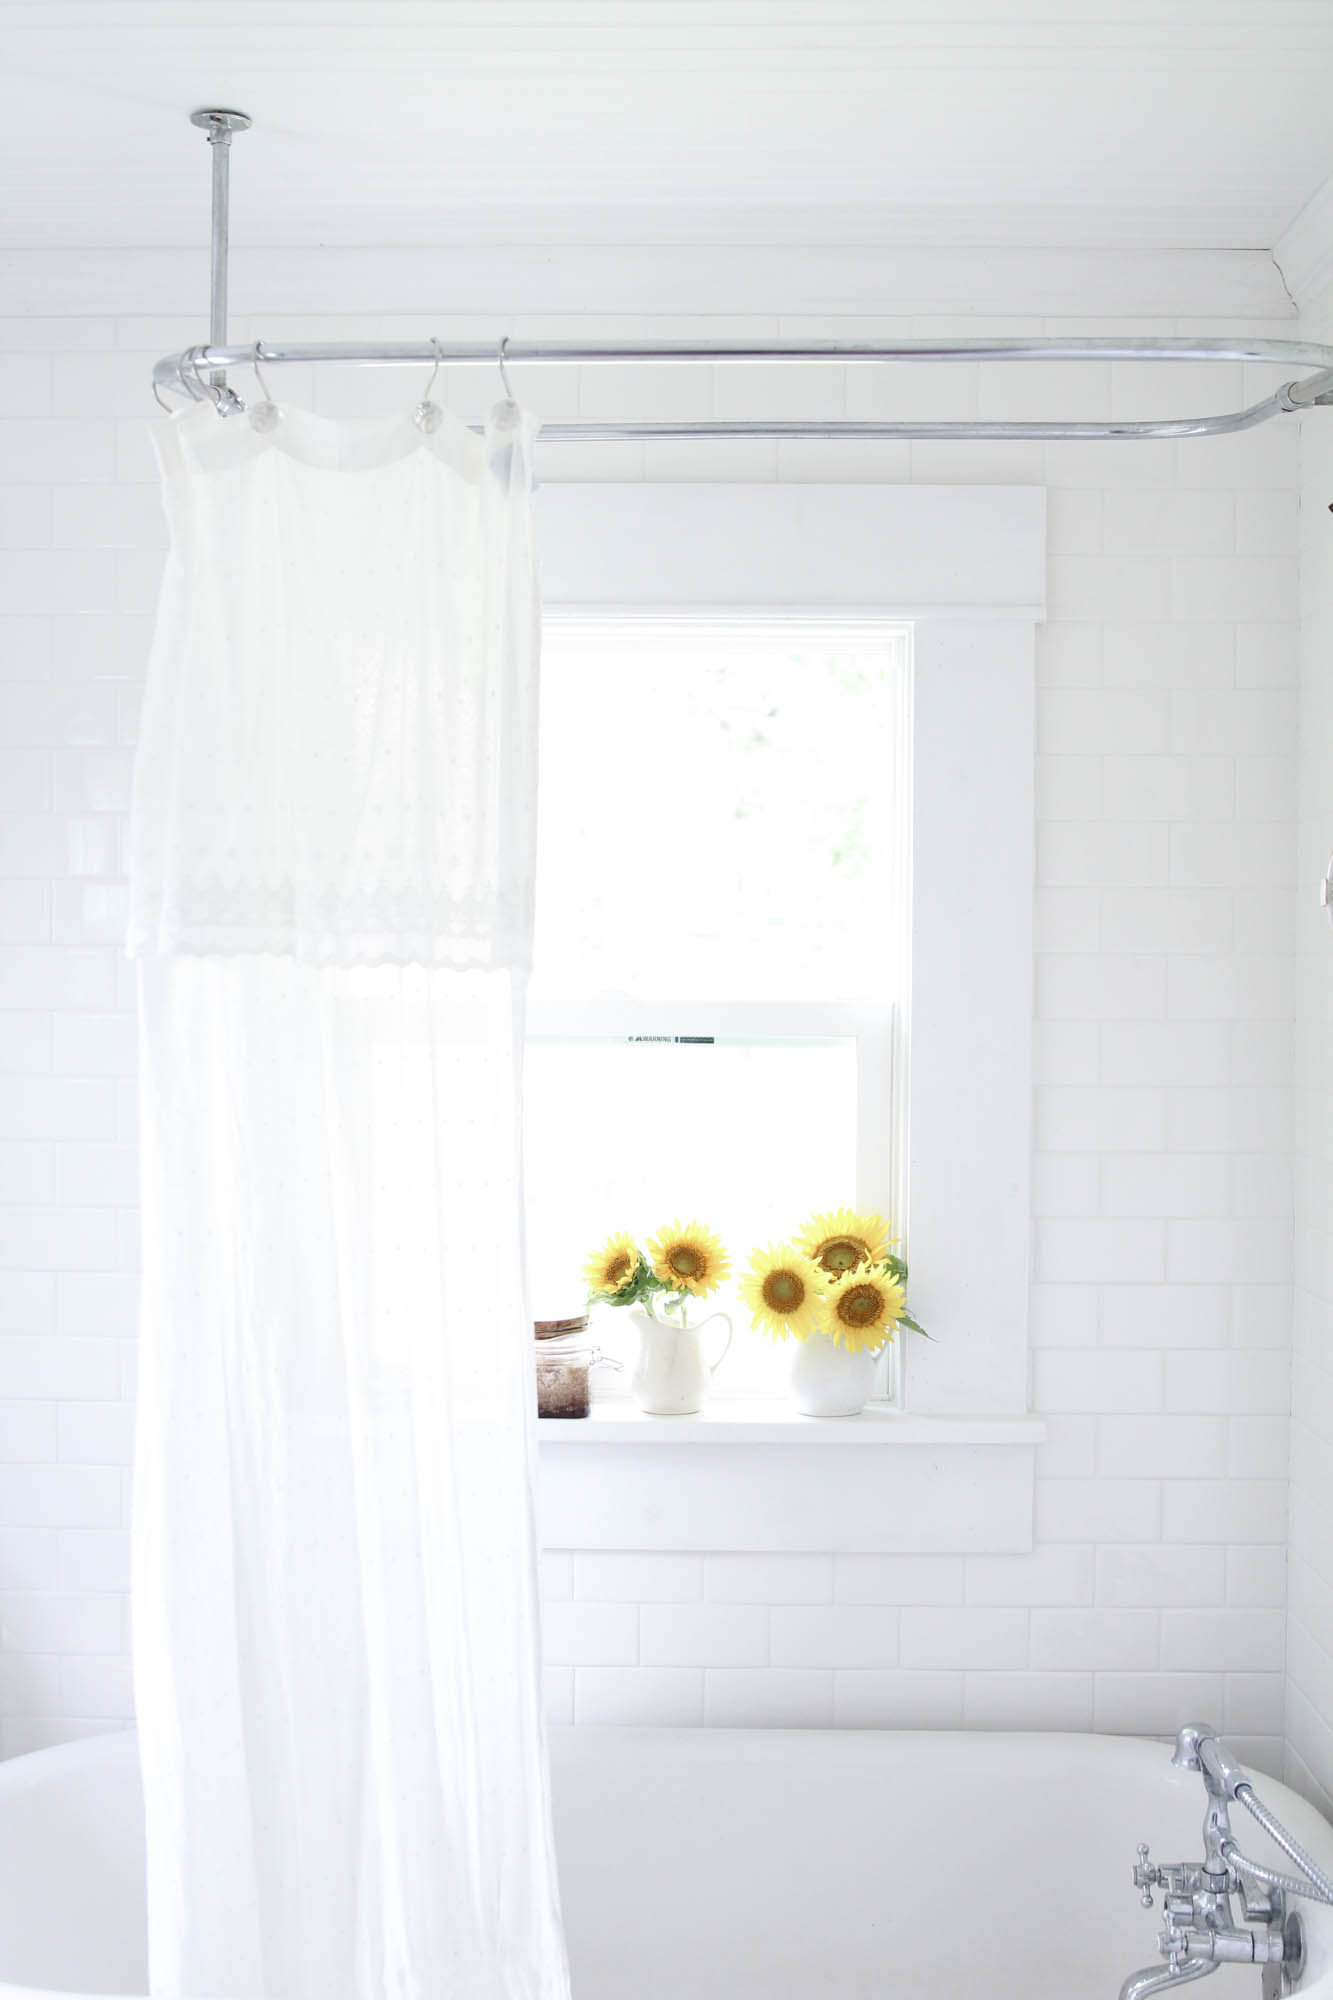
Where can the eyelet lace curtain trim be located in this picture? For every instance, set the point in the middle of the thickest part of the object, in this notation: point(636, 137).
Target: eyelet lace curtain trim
point(338, 752)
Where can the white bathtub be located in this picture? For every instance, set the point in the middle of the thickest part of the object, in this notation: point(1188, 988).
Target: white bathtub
point(751, 1864)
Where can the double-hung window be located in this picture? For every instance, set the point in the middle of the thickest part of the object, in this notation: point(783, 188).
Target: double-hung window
point(717, 1009)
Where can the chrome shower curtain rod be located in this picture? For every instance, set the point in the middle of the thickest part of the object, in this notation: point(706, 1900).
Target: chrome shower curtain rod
point(202, 371)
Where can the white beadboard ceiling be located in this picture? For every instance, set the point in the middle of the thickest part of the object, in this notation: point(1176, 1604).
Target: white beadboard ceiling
point(1130, 123)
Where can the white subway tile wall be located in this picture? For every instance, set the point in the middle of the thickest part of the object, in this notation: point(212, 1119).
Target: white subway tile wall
point(1309, 1660)
point(1162, 1238)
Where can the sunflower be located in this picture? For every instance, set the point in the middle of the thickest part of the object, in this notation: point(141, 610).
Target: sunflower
point(614, 1266)
point(781, 1288)
point(841, 1239)
point(863, 1309)
point(686, 1257)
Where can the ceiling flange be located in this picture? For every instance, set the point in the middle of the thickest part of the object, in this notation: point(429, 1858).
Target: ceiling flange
point(221, 124)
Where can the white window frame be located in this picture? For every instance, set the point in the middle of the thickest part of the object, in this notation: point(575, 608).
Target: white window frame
point(965, 567)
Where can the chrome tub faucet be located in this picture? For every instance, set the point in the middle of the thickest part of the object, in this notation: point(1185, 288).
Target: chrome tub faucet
point(1199, 1927)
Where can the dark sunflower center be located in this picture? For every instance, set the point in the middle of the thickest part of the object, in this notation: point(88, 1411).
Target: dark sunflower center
point(618, 1270)
point(859, 1306)
point(841, 1253)
point(783, 1291)
point(686, 1261)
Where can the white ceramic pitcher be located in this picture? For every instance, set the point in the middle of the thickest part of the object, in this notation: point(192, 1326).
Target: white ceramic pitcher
point(827, 1381)
point(672, 1377)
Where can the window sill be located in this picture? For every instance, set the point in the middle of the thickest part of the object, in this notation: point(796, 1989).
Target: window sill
point(618, 1421)
point(950, 1484)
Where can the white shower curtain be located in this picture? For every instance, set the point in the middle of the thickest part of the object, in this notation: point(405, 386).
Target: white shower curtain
point(335, 1606)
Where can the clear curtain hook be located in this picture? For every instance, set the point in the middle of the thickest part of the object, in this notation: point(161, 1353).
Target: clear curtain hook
point(428, 416)
point(264, 416)
point(203, 391)
point(504, 372)
point(224, 400)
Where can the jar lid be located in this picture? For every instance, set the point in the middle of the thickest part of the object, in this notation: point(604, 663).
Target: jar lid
point(548, 1329)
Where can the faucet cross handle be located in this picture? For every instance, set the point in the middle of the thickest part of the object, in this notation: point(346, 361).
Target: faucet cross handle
point(1144, 1876)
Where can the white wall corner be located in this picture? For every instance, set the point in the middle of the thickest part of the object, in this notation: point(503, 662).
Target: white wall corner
point(1303, 253)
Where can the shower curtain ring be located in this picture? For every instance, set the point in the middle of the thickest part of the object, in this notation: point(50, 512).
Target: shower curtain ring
point(190, 367)
point(504, 372)
point(255, 353)
point(264, 416)
point(428, 415)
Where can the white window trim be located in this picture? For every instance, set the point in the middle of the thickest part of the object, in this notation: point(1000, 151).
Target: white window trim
point(966, 566)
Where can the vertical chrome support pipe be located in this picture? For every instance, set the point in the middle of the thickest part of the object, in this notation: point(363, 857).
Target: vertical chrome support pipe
point(218, 127)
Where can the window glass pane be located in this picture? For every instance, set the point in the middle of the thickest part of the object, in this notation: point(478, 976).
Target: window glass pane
point(748, 1137)
point(718, 815)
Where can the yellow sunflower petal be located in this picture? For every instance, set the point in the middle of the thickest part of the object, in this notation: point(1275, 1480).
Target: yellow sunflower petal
point(781, 1288)
point(863, 1309)
point(611, 1267)
point(842, 1238)
point(688, 1257)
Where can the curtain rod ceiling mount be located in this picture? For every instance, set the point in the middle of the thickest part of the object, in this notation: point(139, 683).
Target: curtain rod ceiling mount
point(219, 125)
point(183, 373)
